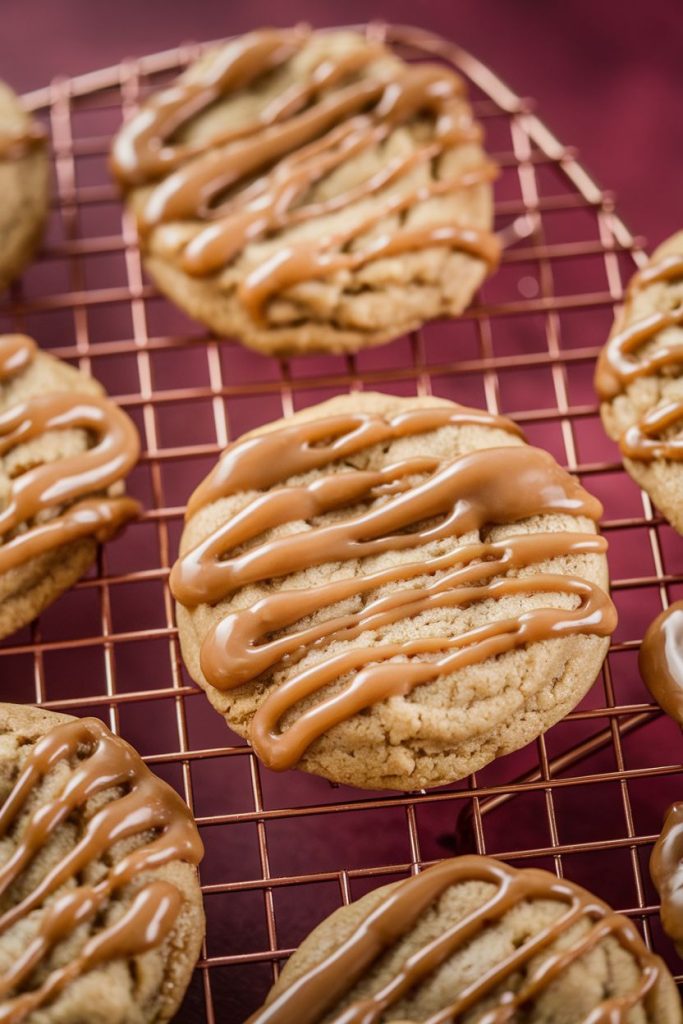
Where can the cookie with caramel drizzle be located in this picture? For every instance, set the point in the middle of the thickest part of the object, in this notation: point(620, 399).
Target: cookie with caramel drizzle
point(391, 592)
point(474, 941)
point(640, 383)
point(24, 171)
point(65, 449)
point(310, 190)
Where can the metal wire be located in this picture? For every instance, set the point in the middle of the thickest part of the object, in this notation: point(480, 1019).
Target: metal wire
point(283, 851)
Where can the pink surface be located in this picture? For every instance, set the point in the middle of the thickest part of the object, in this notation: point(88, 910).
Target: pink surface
point(113, 636)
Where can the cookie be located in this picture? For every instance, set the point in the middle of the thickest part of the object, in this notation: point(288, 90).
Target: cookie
point(102, 917)
point(311, 191)
point(660, 660)
point(24, 171)
point(666, 870)
point(639, 380)
point(390, 592)
point(64, 451)
point(474, 940)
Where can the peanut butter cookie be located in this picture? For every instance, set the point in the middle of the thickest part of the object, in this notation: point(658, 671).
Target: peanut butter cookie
point(311, 191)
point(64, 451)
point(639, 379)
point(666, 871)
point(391, 592)
point(476, 941)
point(23, 185)
point(102, 916)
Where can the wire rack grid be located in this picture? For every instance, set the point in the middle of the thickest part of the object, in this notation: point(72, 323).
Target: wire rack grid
point(283, 851)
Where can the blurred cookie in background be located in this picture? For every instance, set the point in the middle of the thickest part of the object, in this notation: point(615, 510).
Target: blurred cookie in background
point(640, 383)
point(102, 916)
point(24, 176)
point(391, 592)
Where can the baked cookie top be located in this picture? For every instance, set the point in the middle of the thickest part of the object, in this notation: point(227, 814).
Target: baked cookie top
point(639, 381)
point(391, 592)
point(101, 916)
point(310, 190)
point(474, 940)
point(23, 184)
point(64, 451)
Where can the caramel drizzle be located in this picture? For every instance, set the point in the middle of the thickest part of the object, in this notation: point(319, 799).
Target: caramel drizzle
point(16, 144)
point(142, 152)
point(666, 870)
point(618, 367)
point(661, 660)
point(147, 805)
point(315, 994)
point(67, 480)
point(306, 134)
point(17, 352)
point(485, 487)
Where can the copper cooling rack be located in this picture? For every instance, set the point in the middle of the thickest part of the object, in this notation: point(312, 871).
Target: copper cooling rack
point(283, 851)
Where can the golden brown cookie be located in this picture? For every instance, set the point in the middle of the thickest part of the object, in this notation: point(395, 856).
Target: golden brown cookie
point(639, 381)
point(476, 941)
point(64, 451)
point(24, 172)
point(660, 660)
point(311, 191)
point(666, 870)
point(101, 919)
point(390, 592)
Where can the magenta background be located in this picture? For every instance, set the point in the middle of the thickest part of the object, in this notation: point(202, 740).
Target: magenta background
point(608, 78)
point(607, 74)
